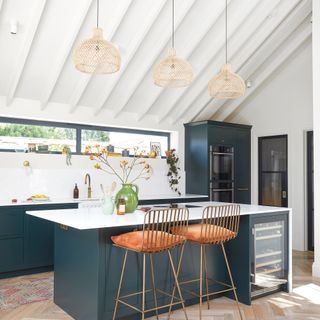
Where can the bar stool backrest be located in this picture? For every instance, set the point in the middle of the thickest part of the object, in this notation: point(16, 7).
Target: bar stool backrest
point(157, 226)
point(220, 223)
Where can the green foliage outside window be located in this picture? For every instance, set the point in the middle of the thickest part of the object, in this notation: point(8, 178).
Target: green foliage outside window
point(30, 131)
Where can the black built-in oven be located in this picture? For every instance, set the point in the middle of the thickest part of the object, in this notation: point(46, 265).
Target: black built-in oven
point(222, 173)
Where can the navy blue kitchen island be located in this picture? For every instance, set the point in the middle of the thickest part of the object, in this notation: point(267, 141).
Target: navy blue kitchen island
point(87, 266)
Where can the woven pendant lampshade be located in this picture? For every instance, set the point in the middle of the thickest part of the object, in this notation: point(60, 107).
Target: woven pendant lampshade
point(97, 55)
point(173, 71)
point(227, 84)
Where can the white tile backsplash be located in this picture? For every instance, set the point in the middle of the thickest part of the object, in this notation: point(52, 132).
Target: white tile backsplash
point(50, 175)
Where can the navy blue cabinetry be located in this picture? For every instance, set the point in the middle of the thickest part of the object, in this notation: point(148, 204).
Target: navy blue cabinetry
point(26, 243)
point(218, 160)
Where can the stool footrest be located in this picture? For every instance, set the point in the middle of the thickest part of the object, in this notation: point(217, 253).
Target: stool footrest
point(182, 283)
point(178, 301)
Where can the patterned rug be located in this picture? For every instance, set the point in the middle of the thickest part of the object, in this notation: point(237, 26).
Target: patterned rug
point(23, 290)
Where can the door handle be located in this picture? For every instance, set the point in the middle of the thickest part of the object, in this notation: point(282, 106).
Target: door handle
point(284, 194)
point(243, 189)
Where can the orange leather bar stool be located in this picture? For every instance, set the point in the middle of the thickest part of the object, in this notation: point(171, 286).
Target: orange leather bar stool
point(218, 225)
point(154, 238)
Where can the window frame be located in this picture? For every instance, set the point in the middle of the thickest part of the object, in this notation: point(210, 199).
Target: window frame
point(79, 127)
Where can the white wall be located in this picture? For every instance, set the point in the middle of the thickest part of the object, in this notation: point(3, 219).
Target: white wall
point(49, 173)
point(316, 122)
point(283, 105)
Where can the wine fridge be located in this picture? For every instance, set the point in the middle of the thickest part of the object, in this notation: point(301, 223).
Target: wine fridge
point(222, 173)
point(269, 262)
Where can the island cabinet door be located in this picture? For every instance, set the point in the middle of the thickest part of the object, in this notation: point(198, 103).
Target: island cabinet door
point(39, 244)
point(39, 237)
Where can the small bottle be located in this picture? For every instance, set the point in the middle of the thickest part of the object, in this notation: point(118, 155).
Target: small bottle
point(76, 192)
point(121, 207)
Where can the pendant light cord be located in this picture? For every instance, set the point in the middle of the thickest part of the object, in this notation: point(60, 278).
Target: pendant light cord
point(98, 14)
point(172, 38)
point(226, 30)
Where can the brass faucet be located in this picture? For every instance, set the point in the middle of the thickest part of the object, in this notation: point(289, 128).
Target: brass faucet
point(87, 180)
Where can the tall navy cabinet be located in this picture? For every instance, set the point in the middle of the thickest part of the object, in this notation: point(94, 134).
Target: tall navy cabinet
point(199, 136)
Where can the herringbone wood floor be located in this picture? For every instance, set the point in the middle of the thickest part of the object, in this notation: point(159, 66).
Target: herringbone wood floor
point(303, 303)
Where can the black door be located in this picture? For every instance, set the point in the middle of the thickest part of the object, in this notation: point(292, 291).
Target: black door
point(273, 171)
point(310, 190)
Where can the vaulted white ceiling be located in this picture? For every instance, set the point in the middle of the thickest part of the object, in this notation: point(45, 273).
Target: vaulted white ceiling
point(36, 63)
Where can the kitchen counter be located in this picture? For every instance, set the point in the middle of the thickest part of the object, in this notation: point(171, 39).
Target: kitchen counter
point(93, 218)
point(87, 265)
point(143, 199)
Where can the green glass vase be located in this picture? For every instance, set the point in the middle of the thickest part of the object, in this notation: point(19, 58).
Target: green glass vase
point(129, 192)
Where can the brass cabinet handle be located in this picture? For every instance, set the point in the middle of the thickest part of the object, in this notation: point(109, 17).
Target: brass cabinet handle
point(243, 189)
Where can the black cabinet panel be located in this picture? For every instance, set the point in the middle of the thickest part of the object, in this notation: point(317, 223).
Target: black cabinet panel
point(199, 136)
point(11, 222)
point(11, 254)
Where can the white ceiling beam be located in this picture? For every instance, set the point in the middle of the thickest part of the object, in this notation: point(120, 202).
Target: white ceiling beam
point(289, 24)
point(26, 48)
point(231, 108)
point(259, 8)
point(150, 22)
point(85, 80)
point(162, 44)
point(196, 45)
point(264, 41)
point(62, 57)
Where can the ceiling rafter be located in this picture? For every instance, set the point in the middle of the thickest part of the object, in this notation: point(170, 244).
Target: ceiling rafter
point(187, 57)
point(260, 35)
point(287, 52)
point(85, 80)
point(279, 35)
point(162, 45)
point(198, 79)
point(151, 20)
point(64, 54)
point(26, 48)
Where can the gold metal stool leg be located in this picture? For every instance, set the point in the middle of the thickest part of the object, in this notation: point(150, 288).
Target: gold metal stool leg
point(143, 287)
point(174, 286)
point(120, 284)
point(201, 278)
point(206, 274)
point(153, 286)
point(177, 285)
point(231, 279)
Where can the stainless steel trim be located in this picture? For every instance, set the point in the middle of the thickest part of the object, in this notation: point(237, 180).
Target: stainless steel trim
point(221, 190)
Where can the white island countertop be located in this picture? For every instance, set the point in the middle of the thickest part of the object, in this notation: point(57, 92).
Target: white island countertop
point(4, 203)
point(93, 218)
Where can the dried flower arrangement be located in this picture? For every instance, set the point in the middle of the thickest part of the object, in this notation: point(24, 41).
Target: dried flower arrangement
point(126, 175)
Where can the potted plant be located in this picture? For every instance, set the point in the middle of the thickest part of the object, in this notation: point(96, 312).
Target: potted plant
point(128, 173)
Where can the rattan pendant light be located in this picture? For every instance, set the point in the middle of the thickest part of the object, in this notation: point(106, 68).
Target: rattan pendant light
point(97, 55)
point(226, 84)
point(173, 71)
